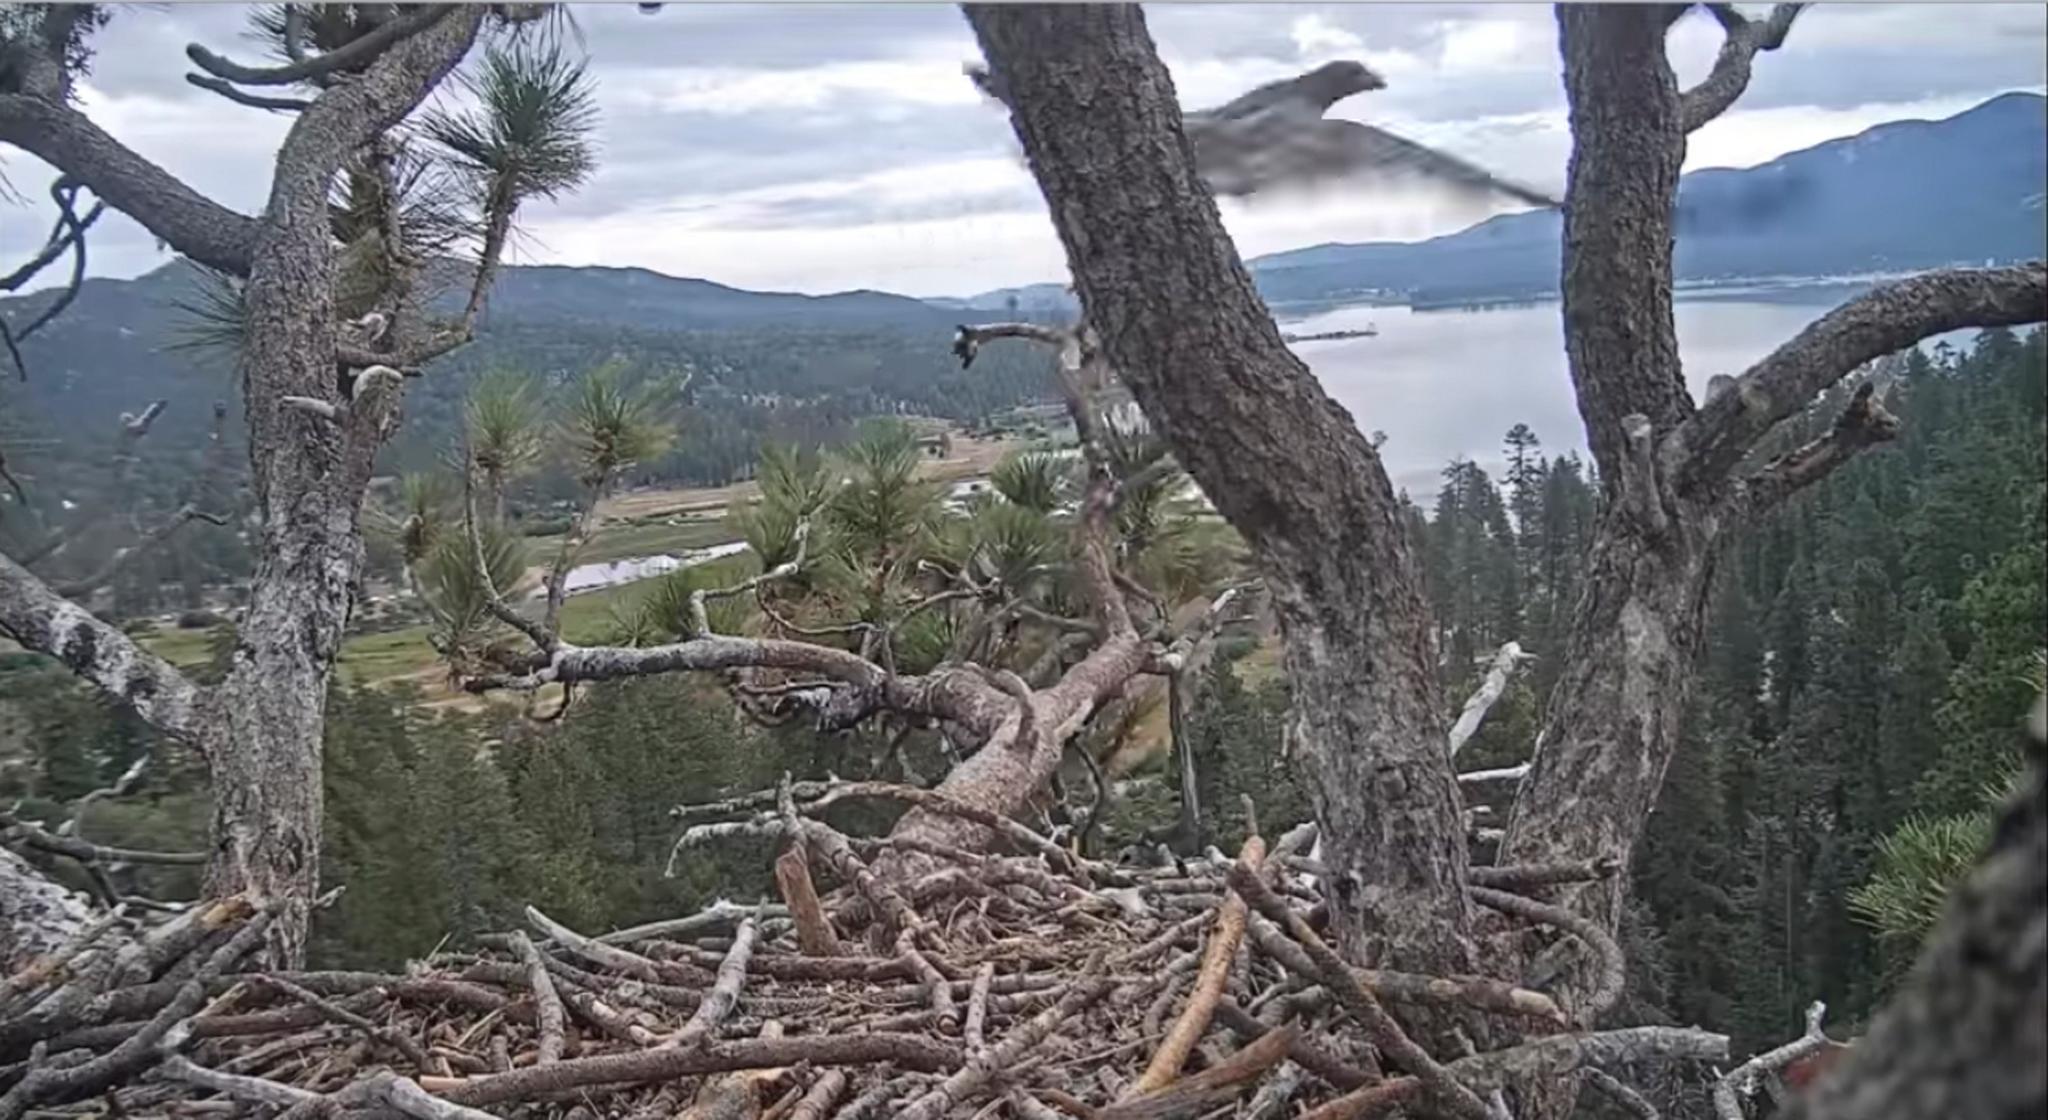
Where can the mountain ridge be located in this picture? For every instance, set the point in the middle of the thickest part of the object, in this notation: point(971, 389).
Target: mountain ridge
point(1974, 181)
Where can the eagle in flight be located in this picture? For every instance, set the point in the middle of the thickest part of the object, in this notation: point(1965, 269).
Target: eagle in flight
point(1277, 138)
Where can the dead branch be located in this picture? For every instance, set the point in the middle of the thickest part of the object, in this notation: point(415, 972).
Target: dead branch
point(967, 341)
point(665, 1063)
point(1611, 964)
point(252, 100)
point(813, 929)
point(35, 837)
point(337, 1013)
point(1489, 691)
point(68, 229)
point(1480, 992)
point(1730, 75)
point(1863, 423)
point(1521, 877)
point(1211, 1087)
point(595, 951)
point(543, 638)
point(1335, 975)
point(937, 801)
point(987, 1067)
point(56, 1083)
point(1553, 1057)
point(185, 515)
point(818, 1100)
point(547, 1004)
point(1201, 1006)
point(700, 621)
point(1612, 1087)
point(41, 620)
point(1884, 320)
point(977, 1008)
point(355, 55)
point(725, 991)
point(1742, 1081)
point(69, 234)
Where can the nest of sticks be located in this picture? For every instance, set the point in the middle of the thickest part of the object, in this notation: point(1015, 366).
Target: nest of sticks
point(926, 982)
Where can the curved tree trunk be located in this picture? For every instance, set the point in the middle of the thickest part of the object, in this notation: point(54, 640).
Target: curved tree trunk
point(1097, 116)
point(38, 915)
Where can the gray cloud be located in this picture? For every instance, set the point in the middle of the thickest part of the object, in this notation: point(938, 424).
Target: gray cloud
point(740, 117)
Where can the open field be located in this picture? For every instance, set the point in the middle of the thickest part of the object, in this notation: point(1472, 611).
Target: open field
point(641, 523)
point(970, 458)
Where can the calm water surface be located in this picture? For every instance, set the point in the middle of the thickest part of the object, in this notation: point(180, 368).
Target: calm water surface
point(1444, 384)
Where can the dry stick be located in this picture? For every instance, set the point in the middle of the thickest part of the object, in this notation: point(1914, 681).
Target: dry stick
point(1741, 1081)
point(1489, 691)
point(985, 1067)
point(1482, 992)
point(1522, 876)
point(889, 903)
point(721, 913)
point(870, 1102)
point(383, 1088)
point(1201, 1006)
point(339, 1014)
point(43, 969)
point(1630, 1101)
point(50, 1082)
point(1372, 1100)
point(87, 852)
point(814, 936)
point(937, 802)
point(1545, 1059)
point(1305, 1051)
point(825, 1092)
point(547, 1004)
point(1028, 1107)
point(1221, 1082)
point(1612, 964)
point(724, 993)
point(737, 1094)
point(666, 1063)
point(1272, 1099)
point(595, 951)
point(977, 1007)
point(1385, 1033)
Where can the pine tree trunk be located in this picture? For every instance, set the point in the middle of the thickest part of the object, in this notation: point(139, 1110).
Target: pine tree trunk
point(264, 723)
point(1097, 115)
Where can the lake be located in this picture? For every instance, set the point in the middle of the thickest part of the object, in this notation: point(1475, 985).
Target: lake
point(1444, 384)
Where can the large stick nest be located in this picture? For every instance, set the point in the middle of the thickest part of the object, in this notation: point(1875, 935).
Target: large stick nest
point(929, 982)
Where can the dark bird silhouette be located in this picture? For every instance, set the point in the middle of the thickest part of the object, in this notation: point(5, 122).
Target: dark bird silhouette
point(1276, 137)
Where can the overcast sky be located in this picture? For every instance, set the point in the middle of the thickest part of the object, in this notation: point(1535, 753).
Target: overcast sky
point(820, 148)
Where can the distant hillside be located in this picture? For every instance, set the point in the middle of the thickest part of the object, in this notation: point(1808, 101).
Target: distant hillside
point(763, 365)
point(1900, 196)
point(1904, 195)
point(642, 298)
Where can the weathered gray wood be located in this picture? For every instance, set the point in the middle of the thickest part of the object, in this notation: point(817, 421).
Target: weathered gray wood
point(1100, 126)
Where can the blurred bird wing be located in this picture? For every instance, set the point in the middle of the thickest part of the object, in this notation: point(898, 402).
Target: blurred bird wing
point(1275, 155)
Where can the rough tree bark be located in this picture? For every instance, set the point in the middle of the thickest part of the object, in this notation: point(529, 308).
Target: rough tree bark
point(260, 729)
point(1100, 126)
point(1672, 474)
point(262, 740)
